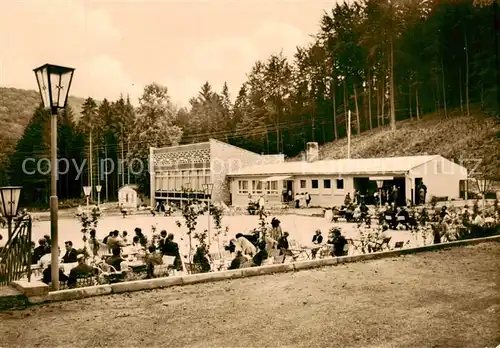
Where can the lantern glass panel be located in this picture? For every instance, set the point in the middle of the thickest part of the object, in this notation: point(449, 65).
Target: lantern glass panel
point(86, 190)
point(9, 197)
point(482, 185)
point(42, 79)
point(60, 81)
point(54, 83)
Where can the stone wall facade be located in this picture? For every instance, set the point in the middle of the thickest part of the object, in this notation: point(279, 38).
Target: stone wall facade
point(226, 158)
point(220, 157)
point(181, 155)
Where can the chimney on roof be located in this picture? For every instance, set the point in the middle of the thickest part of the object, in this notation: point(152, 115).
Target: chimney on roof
point(312, 151)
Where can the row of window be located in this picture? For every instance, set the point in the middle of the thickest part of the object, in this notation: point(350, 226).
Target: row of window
point(271, 187)
point(175, 180)
point(327, 184)
point(259, 187)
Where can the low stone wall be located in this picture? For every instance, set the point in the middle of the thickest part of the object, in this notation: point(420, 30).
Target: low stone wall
point(36, 296)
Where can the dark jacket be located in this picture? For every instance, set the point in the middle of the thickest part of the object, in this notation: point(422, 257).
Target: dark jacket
point(260, 257)
point(237, 262)
point(170, 248)
point(70, 256)
point(317, 239)
point(283, 243)
point(39, 252)
point(47, 275)
point(115, 261)
point(80, 271)
point(339, 244)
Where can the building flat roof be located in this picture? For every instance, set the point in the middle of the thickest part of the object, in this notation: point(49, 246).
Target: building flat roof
point(338, 166)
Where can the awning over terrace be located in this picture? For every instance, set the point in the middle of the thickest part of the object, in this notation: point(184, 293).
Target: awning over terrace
point(276, 178)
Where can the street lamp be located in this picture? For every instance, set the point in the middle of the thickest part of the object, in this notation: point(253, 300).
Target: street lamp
point(483, 186)
point(9, 204)
point(98, 189)
point(54, 83)
point(86, 191)
point(208, 188)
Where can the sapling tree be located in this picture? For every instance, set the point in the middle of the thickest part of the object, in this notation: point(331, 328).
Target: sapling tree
point(88, 223)
point(217, 214)
point(190, 215)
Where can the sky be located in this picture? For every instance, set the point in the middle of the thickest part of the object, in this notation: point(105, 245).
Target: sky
point(117, 47)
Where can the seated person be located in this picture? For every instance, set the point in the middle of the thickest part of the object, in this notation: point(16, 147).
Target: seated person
point(230, 247)
point(116, 259)
point(423, 217)
point(403, 217)
point(317, 240)
point(47, 274)
point(153, 258)
point(125, 238)
point(71, 254)
point(364, 210)
point(338, 241)
point(261, 255)
point(238, 261)
point(284, 245)
point(40, 250)
point(252, 238)
point(105, 240)
point(82, 270)
point(244, 245)
point(171, 248)
point(136, 245)
point(114, 240)
point(390, 216)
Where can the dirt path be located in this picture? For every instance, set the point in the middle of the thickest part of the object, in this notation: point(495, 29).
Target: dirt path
point(449, 298)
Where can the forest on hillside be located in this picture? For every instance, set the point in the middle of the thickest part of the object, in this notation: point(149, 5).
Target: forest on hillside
point(383, 60)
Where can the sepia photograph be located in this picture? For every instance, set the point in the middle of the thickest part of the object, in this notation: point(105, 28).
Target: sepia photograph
point(250, 173)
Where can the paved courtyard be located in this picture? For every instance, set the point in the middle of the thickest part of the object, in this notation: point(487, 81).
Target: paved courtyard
point(301, 228)
point(448, 298)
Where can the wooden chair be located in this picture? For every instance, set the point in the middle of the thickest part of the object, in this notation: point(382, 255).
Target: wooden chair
point(164, 269)
point(347, 247)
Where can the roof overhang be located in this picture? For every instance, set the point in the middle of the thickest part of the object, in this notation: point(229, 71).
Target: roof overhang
point(375, 178)
point(373, 175)
point(276, 178)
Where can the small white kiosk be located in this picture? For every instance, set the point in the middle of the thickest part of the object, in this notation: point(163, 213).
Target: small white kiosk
point(128, 197)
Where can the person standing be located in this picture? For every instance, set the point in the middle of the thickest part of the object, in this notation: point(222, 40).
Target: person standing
point(297, 201)
point(261, 203)
point(394, 195)
point(308, 199)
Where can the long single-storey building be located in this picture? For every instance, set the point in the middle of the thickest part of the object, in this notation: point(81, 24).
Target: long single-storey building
point(175, 169)
point(328, 181)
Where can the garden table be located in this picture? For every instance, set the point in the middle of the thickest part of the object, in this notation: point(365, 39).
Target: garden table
point(137, 266)
point(67, 267)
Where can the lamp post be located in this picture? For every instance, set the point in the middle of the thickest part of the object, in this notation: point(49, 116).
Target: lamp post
point(483, 186)
point(54, 83)
point(380, 184)
point(208, 188)
point(86, 191)
point(98, 188)
point(9, 204)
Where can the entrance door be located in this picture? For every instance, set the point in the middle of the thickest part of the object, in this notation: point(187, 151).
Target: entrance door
point(289, 190)
point(416, 194)
point(401, 185)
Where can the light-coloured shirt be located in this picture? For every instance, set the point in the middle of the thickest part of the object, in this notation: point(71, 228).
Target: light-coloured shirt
point(242, 244)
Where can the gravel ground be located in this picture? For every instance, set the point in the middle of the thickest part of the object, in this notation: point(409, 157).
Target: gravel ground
point(447, 298)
